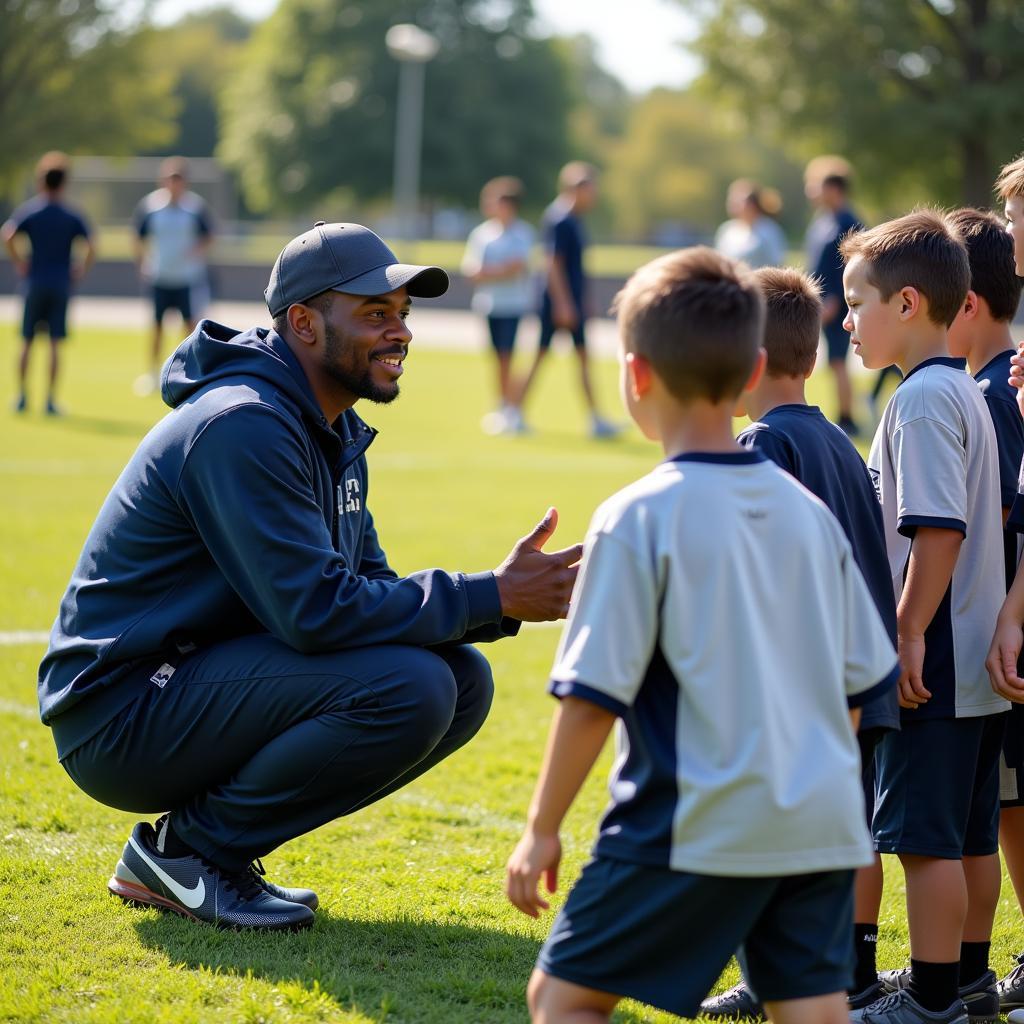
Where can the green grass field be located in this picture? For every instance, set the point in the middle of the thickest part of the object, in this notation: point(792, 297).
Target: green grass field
point(413, 925)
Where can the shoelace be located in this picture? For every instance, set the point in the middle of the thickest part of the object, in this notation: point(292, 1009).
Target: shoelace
point(737, 995)
point(886, 1003)
point(246, 883)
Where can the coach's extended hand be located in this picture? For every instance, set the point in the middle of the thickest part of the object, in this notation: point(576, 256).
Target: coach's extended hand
point(535, 585)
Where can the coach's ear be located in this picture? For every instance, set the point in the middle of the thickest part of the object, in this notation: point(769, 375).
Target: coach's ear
point(304, 322)
point(639, 373)
point(758, 371)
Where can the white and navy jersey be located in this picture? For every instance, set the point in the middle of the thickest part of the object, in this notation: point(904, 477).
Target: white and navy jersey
point(174, 231)
point(1001, 398)
point(720, 613)
point(800, 440)
point(934, 463)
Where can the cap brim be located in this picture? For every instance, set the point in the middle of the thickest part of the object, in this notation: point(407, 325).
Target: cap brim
point(420, 282)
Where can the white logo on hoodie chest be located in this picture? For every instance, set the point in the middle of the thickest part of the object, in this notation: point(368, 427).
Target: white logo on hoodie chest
point(349, 499)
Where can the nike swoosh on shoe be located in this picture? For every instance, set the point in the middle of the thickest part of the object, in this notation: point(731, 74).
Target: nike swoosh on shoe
point(193, 898)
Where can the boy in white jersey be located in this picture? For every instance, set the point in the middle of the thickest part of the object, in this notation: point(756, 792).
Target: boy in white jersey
point(720, 615)
point(936, 468)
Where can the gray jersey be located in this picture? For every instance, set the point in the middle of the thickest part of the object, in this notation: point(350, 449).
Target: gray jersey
point(934, 463)
point(720, 613)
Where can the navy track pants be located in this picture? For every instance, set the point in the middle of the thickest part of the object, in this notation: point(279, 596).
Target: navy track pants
point(250, 743)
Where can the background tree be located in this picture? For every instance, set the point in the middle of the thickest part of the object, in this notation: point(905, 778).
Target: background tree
point(310, 116)
point(922, 96)
point(76, 76)
point(675, 161)
point(200, 53)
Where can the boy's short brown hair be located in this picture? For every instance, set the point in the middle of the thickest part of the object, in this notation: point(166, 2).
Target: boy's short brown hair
point(504, 188)
point(919, 250)
point(697, 317)
point(990, 253)
point(1010, 182)
point(792, 322)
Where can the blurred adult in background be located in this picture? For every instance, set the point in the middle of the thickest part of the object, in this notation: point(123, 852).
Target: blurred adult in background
point(173, 234)
point(497, 261)
point(752, 234)
point(52, 228)
point(564, 303)
point(827, 186)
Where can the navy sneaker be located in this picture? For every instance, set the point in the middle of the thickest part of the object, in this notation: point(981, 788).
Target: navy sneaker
point(736, 1003)
point(194, 888)
point(1011, 988)
point(900, 1007)
point(306, 897)
point(867, 996)
point(982, 997)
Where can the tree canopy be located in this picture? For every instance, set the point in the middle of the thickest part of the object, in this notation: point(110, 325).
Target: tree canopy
point(923, 96)
point(76, 75)
point(310, 113)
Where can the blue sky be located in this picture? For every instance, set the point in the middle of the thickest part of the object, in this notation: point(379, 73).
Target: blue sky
point(638, 40)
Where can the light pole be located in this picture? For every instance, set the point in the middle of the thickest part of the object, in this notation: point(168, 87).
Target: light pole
point(412, 48)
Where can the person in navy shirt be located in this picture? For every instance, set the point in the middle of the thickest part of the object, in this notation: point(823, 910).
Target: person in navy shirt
point(834, 220)
point(798, 438)
point(564, 303)
point(981, 335)
point(51, 227)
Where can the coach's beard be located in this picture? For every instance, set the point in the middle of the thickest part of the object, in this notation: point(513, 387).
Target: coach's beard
point(356, 380)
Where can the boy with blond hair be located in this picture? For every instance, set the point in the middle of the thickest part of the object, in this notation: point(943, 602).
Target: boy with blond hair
point(720, 617)
point(797, 437)
point(935, 465)
point(1010, 189)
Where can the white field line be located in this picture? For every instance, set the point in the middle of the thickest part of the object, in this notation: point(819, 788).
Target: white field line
point(19, 637)
point(14, 707)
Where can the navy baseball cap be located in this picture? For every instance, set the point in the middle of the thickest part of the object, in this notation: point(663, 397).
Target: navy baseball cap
point(344, 258)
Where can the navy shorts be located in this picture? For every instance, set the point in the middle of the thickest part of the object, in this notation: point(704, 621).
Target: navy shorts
point(868, 740)
point(172, 298)
point(938, 788)
point(548, 328)
point(503, 332)
point(837, 340)
point(45, 304)
point(663, 937)
point(1011, 765)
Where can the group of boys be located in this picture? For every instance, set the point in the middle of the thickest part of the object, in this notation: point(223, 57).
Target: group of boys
point(736, 821)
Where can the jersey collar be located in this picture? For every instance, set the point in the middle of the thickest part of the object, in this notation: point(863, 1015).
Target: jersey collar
point(745, 458)
point(953, 364)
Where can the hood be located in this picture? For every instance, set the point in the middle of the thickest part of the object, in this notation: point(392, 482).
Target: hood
point(213, 352)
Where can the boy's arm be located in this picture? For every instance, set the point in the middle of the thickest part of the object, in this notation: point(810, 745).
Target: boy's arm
point(933, 555)
point(1007, 642)
point(579, 730)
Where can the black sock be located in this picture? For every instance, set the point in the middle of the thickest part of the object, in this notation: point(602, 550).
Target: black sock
point(167, 841)
point(865, 942)
point(973, 961)
point(934, 986)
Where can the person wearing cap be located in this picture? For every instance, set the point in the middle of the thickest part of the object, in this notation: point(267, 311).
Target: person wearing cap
point(233, 649)
point(564, 302)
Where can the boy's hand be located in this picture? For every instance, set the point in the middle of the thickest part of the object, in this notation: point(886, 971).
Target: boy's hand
point(535, 855)
point(1017, 375)
point(1002, 660)
point(910, 648)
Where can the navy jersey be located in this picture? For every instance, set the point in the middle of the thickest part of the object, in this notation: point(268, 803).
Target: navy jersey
point(564, 237)
point(51, 228)
point(1001, 399)
point(800, 440)
point(823, 237)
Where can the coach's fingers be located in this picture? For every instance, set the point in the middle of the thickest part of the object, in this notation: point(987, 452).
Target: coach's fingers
point(541, 533)
point(568, 556)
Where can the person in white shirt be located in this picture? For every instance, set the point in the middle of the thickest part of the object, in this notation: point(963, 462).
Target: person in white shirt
point(497, 261)
point(752, 234)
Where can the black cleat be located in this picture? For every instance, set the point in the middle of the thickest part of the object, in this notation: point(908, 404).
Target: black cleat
point(306, 897)
point(982, 996)
point(1011, 988)
point(736, 1003)
point(867, 996)
point(900, 1007)
point(194, 888)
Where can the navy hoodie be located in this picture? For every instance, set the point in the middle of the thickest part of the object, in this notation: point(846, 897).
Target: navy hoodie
point(241, 511)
